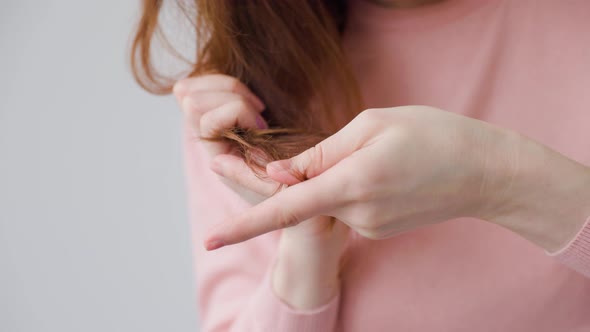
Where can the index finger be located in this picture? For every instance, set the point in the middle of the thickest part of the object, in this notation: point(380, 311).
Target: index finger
point(287, 208)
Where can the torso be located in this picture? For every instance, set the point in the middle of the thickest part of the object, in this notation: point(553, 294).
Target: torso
point(523, 65)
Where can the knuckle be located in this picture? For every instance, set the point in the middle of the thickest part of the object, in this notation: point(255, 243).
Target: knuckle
point(179, 89)
point(233, 107)
point(372, 115)
point(318, 154)
point(240, 104)
point(368, 114)
point(244, 102)
point(186, 105)
point(206, 124)
point(194, 106)
point(369, 120)
point(313, 161)
point(240, 112)
point(234, 84)
point(191, 115)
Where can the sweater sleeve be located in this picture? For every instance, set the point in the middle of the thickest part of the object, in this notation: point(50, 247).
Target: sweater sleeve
point(234, 290)
point(576, 253)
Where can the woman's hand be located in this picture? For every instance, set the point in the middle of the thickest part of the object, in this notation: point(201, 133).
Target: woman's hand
point(393, 170)
point(213, 103)
point(307, 268)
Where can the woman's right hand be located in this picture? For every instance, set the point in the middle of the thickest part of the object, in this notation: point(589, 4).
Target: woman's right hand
point(307, 268)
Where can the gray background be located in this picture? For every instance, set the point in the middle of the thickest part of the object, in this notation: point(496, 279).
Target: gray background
point(93, 228)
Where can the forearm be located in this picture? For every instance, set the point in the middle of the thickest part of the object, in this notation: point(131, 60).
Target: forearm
point(306, 272)
point(541, 195)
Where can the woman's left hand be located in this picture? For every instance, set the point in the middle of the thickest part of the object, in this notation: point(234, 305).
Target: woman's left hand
point(307, 266)
point(392, 170)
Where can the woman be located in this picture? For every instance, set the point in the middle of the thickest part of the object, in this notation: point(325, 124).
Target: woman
point(494, 167)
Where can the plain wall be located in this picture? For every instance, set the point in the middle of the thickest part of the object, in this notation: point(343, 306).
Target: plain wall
point(93, 228)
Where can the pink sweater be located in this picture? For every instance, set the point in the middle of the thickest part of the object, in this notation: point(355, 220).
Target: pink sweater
point(521, 64)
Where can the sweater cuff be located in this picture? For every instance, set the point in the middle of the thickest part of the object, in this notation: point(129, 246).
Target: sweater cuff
point(272, 314)
point(576, 254)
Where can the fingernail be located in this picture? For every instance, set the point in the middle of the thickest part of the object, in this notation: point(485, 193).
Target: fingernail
point(260, 123)
point(212, 245)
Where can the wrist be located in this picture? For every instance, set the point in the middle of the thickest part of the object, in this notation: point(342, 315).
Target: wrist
point(305, 275)
point(301, 286)
point(539, 193)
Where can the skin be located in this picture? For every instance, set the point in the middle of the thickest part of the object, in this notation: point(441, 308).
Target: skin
point(306, 270)
point(481, 171)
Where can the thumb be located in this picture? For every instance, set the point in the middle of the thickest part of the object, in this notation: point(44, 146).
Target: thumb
point(313, 161)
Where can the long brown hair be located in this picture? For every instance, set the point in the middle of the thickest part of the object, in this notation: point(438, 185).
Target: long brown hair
point(287, 52)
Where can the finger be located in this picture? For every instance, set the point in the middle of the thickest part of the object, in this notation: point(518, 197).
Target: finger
point(246, 194)
point(214, 82)
point(229, 115)
point(194, 107)
point(287, 208)
point(204, 101)
point(236, 170)
point(316, 159)
point(234, 114)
